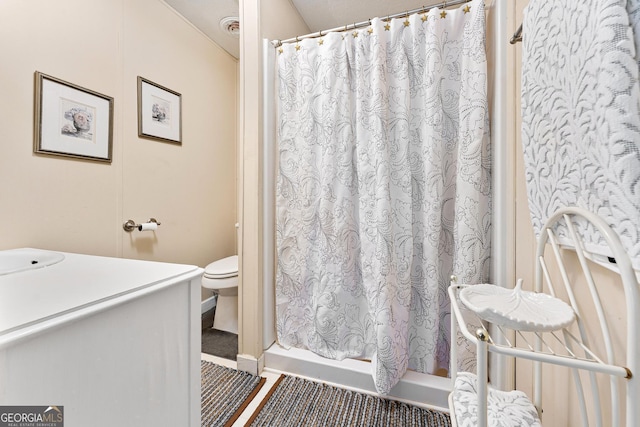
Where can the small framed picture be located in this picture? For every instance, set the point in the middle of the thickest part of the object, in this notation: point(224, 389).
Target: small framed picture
point(159, 112)
point(72, 121)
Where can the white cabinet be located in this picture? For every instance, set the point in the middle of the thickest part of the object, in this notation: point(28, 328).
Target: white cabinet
point(113, 341)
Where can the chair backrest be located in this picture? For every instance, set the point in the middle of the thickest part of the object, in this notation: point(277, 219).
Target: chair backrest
point(565, 268)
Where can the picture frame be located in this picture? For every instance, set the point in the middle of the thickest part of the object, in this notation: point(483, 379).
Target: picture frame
point(159, 112)
point(72, 121)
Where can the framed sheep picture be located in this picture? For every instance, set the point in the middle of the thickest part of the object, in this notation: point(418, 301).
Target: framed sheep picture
point(159, 112)
point(72, 121)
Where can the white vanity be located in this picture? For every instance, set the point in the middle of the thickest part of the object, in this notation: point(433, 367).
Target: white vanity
point(114, 341)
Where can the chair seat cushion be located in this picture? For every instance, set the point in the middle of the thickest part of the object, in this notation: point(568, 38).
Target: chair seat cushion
point(504, 409)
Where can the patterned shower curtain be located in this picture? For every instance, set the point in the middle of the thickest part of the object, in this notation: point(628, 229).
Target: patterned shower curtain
point(383, 187)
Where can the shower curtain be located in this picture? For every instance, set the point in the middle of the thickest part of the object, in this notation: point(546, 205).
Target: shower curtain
point(383, 187)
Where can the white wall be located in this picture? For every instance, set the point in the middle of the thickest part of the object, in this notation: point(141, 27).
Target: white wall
point(79, 206)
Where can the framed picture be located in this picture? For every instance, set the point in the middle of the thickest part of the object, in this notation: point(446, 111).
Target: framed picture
point(159, 112)
point(72, 121)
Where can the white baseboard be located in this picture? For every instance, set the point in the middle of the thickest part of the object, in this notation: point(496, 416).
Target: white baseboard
point(208, 304)
point(250, 364)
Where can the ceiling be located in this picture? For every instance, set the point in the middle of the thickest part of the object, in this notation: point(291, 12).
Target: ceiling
point(327, 14)
point(318, 14)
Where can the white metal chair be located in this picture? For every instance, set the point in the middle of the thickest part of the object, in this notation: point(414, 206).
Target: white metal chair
point(576, 347)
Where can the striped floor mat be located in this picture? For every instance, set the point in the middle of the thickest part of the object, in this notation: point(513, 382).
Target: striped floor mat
point(295, 401)
point(225, 393)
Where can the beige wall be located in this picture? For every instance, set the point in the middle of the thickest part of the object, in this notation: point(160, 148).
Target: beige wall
point(559, 396)
point(272, 20)
point(79, 206)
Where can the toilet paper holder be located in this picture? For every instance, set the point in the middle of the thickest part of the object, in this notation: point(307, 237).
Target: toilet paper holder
point(131, 225)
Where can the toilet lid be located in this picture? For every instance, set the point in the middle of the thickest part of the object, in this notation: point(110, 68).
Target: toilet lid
point(222, 268)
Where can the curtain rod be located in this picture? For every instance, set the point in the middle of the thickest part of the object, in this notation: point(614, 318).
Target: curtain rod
point(353, 26)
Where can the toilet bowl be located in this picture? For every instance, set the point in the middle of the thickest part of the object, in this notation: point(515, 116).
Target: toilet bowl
point(221, 277)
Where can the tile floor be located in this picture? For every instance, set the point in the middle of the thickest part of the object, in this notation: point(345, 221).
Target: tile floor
point(271, 379)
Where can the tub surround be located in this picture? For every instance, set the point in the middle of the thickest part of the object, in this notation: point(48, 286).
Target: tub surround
point(102, 335)
point(423, 390)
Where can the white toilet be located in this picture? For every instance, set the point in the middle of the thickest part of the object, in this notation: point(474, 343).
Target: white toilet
point(222, 277)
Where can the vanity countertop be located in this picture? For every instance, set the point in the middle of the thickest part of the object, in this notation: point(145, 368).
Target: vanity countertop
point(80, 283)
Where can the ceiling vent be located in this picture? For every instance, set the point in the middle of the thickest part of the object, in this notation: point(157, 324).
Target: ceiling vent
point(231, 25)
